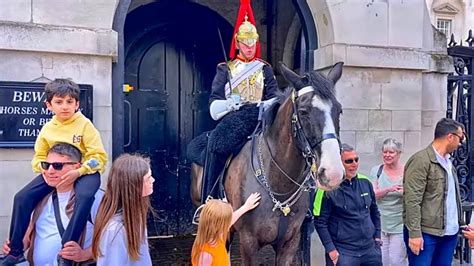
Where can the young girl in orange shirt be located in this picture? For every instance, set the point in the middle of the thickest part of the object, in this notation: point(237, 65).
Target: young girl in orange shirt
point(215, 220)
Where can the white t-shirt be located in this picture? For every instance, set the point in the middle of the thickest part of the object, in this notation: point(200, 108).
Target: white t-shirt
point(113, 246)
point(47, 239)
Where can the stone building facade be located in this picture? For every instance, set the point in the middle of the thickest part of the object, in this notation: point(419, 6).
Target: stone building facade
point(393, 83)
point(452, 17)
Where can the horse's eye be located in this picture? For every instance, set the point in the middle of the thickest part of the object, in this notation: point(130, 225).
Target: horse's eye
point(303, 112)
point(305, 79)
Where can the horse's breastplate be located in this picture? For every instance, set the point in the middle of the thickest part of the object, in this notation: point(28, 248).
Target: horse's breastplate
point(251, 88)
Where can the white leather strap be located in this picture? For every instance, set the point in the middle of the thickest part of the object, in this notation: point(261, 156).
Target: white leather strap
point(305, 90)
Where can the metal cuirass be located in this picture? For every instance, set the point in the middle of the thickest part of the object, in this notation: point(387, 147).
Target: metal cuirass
point(251, 88)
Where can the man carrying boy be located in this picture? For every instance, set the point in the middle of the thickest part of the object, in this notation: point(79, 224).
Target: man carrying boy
point(67, 126)
point(43, 239)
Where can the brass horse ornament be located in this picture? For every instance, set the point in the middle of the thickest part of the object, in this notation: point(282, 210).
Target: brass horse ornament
point(301, 143)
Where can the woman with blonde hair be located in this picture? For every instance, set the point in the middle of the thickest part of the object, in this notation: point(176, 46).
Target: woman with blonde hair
point(387, 180)
point(120, 236)
point(215, 220)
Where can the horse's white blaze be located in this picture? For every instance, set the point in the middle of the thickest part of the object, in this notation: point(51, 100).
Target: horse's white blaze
point(330, 153)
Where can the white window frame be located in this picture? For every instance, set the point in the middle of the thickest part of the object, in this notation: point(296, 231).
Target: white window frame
point(445, 25)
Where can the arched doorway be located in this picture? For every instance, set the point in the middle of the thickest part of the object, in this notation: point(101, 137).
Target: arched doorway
point(168, 51)
point(170, 65)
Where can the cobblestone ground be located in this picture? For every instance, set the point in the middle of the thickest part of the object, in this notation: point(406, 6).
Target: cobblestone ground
point(177, 251)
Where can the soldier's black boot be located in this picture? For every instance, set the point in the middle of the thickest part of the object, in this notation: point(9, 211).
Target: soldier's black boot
point(212, 169)
point(209, 185)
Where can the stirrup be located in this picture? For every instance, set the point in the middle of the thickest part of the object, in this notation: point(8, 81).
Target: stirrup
point(197, 213)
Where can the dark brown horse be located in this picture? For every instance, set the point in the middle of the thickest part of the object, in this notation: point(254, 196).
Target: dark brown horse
point(302, 142)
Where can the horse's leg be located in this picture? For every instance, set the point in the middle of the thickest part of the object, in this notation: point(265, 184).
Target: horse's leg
point(286, 252)
point(248, 248)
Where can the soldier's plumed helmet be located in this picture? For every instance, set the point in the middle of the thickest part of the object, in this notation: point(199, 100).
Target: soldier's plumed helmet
point(247, 33)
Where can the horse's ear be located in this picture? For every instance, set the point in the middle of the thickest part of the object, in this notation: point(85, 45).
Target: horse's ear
point(290, 76)
point(336, 72)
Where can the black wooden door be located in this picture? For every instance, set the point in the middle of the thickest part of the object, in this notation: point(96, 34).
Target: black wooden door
point(166, 109)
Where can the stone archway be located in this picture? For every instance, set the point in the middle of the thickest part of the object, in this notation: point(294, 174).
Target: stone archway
point(303, 9)
point(304, 27)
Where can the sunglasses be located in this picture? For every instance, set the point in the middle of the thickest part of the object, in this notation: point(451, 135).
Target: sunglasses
point(56, 166)
point(352, 160)
point(461, 138)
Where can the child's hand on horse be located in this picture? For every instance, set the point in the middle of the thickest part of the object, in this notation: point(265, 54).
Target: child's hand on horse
point(70, 177)
point(252, 201)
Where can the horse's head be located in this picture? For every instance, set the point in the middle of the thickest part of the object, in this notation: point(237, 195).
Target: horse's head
point(318, 111)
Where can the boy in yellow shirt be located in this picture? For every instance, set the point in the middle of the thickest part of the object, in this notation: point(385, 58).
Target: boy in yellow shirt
point(70, 126)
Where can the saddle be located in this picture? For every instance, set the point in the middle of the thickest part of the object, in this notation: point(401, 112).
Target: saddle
point(232, 132)
point(213, 156)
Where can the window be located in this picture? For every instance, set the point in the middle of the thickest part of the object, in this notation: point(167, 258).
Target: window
point(444, 25)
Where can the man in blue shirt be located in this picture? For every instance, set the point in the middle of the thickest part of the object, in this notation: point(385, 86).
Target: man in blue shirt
point(347, 219)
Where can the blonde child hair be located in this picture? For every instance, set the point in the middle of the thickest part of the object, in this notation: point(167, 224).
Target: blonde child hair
point(214, 223)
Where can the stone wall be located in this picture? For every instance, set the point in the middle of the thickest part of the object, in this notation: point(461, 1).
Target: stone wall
point(39, 43)
point(394, 79)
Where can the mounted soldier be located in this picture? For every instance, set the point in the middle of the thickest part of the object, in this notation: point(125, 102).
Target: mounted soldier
point(238, 86)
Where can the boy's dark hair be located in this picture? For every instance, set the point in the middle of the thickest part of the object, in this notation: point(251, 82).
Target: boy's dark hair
point(66, 149)
point(446, 126)
point(61, 88)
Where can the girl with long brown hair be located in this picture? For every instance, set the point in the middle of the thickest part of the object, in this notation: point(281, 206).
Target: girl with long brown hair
point(120, 236)
point(215, 220)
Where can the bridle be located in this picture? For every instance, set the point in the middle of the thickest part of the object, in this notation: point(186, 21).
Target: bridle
point(304, 145)
point(306, 150)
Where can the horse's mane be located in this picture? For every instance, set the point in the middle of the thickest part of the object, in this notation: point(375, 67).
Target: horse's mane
point(324, 87)
point(271, 112)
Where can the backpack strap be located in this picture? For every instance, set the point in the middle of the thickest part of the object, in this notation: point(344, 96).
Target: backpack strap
point(379, 172)
point(57, 214)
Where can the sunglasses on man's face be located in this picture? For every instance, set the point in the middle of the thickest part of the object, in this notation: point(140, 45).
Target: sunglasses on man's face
point(56, 166)
point(462, 137)
point(352, 160)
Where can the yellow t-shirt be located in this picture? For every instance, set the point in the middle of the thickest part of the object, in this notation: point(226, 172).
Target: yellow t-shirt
point(78, 131)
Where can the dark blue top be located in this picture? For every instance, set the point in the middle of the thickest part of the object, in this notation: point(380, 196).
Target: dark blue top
point(348, 219)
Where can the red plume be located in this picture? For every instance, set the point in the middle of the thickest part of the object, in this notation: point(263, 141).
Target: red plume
point(244, 9)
